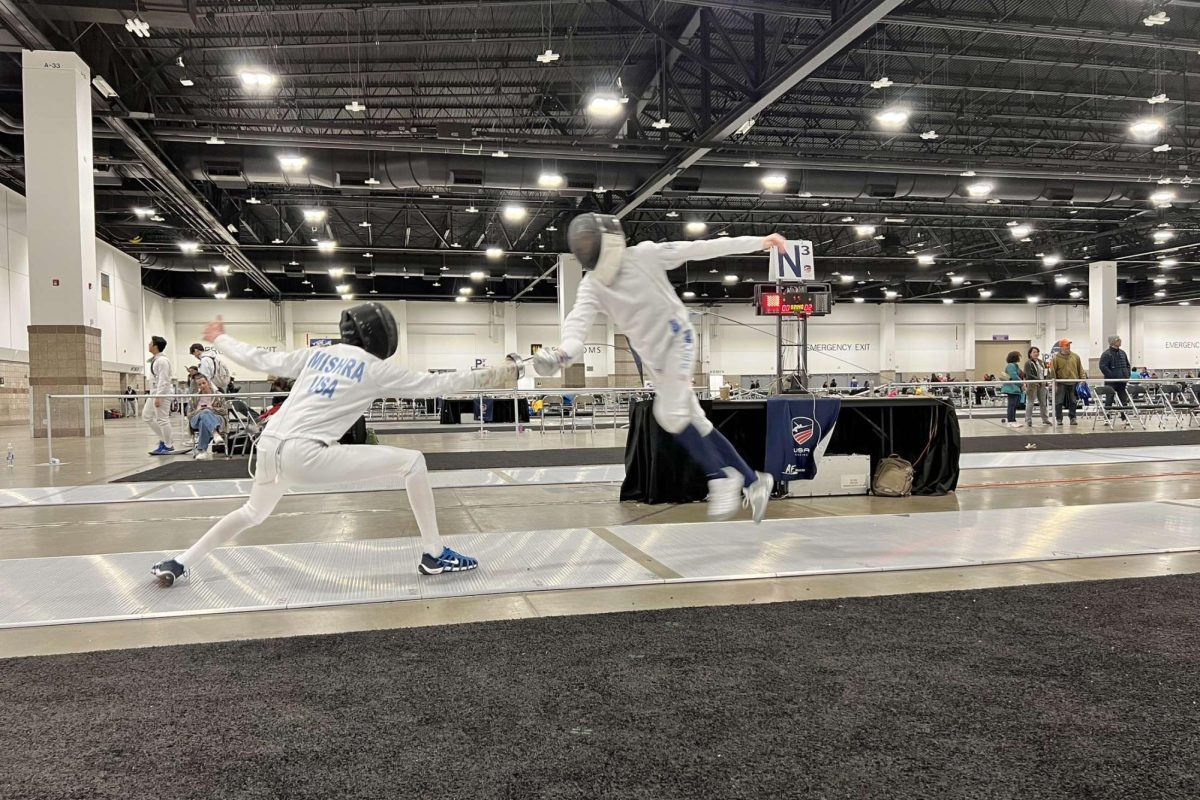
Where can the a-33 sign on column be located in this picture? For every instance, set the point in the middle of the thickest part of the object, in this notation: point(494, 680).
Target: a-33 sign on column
point(794, 264)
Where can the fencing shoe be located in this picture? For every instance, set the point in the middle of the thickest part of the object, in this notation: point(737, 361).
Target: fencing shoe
point(203, 455)
point(168, 571)
point(757, 495)
point(448, 561)
point(725, 495)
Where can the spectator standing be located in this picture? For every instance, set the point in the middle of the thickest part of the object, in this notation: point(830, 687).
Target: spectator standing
point(157, 411)
point(1067, 371)
point(1035, 370)
point(1012, 387)
point(1114, 366)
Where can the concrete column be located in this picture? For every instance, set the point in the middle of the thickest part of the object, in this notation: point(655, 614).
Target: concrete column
point(887, 342)
point(570, 273)
point(610, 339)
point(64, 341)
point(400, 312)
point(969, 342)
point(288, 308)
point(1102, 309)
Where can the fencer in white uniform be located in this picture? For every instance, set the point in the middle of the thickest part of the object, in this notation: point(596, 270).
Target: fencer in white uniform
point(333, 387)
point(157, 411)
point(630, 285)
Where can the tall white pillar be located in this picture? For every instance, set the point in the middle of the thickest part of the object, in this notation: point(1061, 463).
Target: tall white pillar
point(887, 342)
point(1102, 309)
point(400, 312)
point(64, 340)
point(570, 273)
point(510, 328)
point(969, 342)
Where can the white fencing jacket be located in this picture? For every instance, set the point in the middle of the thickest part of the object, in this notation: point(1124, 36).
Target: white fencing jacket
point(641, 301)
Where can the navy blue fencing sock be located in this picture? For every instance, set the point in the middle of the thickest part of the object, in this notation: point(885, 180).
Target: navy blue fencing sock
point(730, 457)
point(702, 451)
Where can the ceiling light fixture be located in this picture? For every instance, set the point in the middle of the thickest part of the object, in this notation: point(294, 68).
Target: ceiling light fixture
point(214, 140)
point(156, 218)
point(188, 82)
point(1050, 260)
point(805, 195)
point(1157, 18)
point(947, 300)
point(143, 213)
point(221, 269)
point(689, 295)
point(292, 163)
point(138, 27)
point(548, 57)
point(1167, 263)
point(925, 260)
point(342, 288)
point(209, 286)
point(355, 107)
point(1033, 299)
point(368, 255)
point(253, 201)
point(604, 105)
point(993, 201)
point(1158, 98)
point(1162, 198)
point(985, 293)
point(744, 128)
point(514, 213)
point(221, 295)
point(471, 209)
point(967, 173)
point(1161, 236)
point(1020, 231)
point(494, 252)
point(1075, 293)
point(466, 290)
point(980, 189)
point(1061, 280)
point(499, 154)
point(774, 182)
point(1161, 293)
point(672, 214)
point(751, 163)
point(696, 226)
point(1146, 127)
point(660, 124)
point(731, 278)
point(957, 280)
point(477, 275)
point(550, 180)
point(371, 182)
point(364, 224)
point(893, 117)
point(256, 78)
point(189, 248)
point(882, 82)
point(326, 246)
point(336, 272)
point(462, 298)
point(929, 135)
point(860, 299)
point(1162, 148)
point(314, 216)
point(890, 294)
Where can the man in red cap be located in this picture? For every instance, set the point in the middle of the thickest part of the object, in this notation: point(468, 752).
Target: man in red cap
point(1067, 371)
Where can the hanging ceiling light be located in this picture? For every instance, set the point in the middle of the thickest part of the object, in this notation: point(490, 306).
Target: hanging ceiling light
point(1161, 236)
point(326, 246)
point(355, 107)
point(466, 290)
point(860, 299)
point(892, 117)
point(948, 300)
point(604, 104)
point(550, 180)
point(214, 140)
point(290, 163)
point(864, 230)
point(751, 163)
point(929, 135)
point(1157, 18)
point(660, 124)
point(696, 226)
point(1146, 127)
point(221, 269)
point(1050, 260)
point(209, 286)
point(967, 173)
point(1075, 293)
point(1061, 280)
point(774, 182)
point(189, 248)
point(499, 154)
point(371, 182)
point(985, 293)
point(514, 213)
point(980, 188)
point(882, 82)
point(138, 27)
point(1020, 231)
point(548, 57)
point(494, 252)
point(256, 78)
point(1162, 198)
point(689, 295)
point(221, 295)
point(1158, 98)
point(1033, 299)
point(1163, 148)
point(314, 216)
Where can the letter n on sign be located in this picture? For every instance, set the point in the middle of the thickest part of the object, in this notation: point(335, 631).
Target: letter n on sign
point(795, 264)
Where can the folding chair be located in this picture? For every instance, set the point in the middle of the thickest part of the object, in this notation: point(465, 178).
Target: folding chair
point(242, 430)
point(1111, 413)
point(1145, 404)
point(552, 404)
point(584, 406)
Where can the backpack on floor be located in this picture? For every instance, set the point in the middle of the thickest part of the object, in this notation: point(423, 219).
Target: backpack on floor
point(893, 477)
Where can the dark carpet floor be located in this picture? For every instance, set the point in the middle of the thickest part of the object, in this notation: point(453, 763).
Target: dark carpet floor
point(1077, 441)
point(1062, 691)
point(183, 468)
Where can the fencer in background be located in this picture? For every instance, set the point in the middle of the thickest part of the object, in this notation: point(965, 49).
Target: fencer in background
point(630, 285)
point(334, 386)
point(157, 411)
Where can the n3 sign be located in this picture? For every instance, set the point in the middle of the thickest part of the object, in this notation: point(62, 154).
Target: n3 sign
point(794, 264)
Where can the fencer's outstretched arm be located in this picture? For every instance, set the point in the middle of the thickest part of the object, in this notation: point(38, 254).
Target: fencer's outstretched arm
point(673, 254)
point(396, 381)
point(285, 365)
point(578, 323)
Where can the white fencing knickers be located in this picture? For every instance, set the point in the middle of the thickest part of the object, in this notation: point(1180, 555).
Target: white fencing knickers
point(307, 462)
point(159, 419)
point(675, 403)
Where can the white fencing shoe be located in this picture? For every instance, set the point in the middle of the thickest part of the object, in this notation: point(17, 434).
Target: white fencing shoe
point(725, 495)
point(758, 493)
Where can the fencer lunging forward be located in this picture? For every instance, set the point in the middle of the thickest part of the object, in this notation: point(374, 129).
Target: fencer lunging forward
point(333, 387)
point(630, 285)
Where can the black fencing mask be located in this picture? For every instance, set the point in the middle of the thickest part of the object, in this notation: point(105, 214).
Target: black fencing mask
point(599, 243)
point(371, 327)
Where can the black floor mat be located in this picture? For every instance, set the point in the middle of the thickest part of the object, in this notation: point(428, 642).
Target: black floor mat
point(183, 468)
point(1061, 691)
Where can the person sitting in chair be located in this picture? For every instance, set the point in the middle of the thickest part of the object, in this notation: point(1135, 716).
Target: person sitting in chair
point(208, 416)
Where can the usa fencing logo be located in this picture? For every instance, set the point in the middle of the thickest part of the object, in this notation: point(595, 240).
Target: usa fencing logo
point(802, 429)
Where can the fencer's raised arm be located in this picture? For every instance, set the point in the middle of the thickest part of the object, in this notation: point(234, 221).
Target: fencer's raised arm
point(285, 365)
point(578, 323)
point(670, 255)
point(396, 381)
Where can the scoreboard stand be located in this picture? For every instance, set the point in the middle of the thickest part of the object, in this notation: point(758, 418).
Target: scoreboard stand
point(795, 303)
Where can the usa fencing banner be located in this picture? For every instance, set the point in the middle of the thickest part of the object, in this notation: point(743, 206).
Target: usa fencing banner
point(798, 431)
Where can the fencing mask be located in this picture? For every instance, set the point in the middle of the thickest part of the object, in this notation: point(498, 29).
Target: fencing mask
point(371, 327)
point(599, 243)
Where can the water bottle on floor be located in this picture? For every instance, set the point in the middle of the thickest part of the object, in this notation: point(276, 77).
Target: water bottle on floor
point(11, 458)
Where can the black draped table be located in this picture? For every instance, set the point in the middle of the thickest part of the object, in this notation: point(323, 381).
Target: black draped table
point(922, 430)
